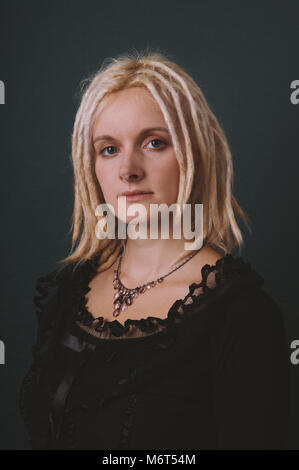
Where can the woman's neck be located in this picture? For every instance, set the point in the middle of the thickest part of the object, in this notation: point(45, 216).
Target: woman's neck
point(149, 258)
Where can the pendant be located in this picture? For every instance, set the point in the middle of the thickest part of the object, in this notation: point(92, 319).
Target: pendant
point(124, 297)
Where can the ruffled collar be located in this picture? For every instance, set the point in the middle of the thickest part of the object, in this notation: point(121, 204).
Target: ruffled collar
point(230, 275)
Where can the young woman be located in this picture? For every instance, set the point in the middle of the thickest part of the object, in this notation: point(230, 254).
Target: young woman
point(141, 343)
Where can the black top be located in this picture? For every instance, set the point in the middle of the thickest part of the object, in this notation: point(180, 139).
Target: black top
point(213, 375)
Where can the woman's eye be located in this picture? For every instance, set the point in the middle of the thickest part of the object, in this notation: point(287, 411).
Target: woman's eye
point(159, 141)
point(109, 147)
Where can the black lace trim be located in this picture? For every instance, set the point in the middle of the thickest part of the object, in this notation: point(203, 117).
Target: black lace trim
point(227, 268)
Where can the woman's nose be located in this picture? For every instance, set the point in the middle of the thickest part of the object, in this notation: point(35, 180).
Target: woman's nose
point(130, 176)
point(129, 169)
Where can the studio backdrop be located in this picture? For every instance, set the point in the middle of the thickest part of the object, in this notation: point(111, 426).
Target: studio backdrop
point(243, 55)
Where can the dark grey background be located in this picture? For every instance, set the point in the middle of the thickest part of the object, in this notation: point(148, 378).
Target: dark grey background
point(244, 55)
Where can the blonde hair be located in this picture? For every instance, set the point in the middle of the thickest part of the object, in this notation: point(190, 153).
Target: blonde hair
point(200, 145)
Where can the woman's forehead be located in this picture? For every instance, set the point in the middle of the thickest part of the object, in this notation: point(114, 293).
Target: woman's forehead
point(129, 107)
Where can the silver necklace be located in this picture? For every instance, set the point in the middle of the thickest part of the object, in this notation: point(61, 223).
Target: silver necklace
point(124, 296)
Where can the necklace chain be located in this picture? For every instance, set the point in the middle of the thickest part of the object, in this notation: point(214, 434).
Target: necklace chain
point(124, 296)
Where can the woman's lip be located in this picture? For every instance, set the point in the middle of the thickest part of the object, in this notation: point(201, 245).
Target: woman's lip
point(136, 197)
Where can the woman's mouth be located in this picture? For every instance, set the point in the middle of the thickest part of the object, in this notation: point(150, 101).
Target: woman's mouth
point(136, 195)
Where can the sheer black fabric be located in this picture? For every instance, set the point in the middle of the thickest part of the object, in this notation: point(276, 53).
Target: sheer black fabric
point(212, 375)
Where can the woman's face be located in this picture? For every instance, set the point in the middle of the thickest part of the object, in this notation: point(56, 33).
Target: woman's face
point(131, 153)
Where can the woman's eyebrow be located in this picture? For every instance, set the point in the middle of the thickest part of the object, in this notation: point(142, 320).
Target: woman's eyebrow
point(141, 133)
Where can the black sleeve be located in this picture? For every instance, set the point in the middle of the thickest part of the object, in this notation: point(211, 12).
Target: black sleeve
point(33, 400)
point(251, 375)
point(46, 308)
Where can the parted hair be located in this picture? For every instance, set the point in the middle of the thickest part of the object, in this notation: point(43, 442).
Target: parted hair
point(199, 142)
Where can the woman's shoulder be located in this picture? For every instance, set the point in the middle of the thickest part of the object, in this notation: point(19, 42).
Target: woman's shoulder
point(49, 285)
point(232, 291)
point(56, 285)
point(247, 315)
point(246, 290)
point(52, 301)
point(237, 320)
point(56, 276)
point(254, 308)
